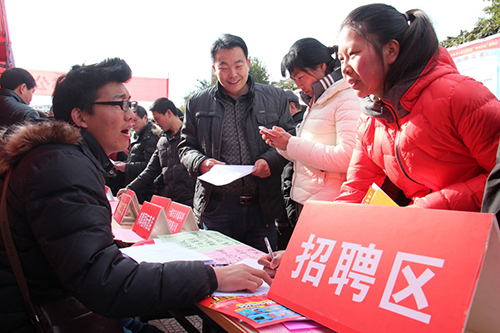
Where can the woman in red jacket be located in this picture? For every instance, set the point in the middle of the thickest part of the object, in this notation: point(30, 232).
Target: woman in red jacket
point(433, 132)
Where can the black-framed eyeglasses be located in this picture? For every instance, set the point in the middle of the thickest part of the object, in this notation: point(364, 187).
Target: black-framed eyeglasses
point(124, 104)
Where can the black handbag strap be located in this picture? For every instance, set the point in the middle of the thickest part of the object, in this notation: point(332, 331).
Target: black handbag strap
point(10, 248)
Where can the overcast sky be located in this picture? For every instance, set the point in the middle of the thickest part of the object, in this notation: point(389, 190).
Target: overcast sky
point(163, 38)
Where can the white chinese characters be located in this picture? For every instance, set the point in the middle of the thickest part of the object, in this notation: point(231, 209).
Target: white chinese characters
point(356, 267)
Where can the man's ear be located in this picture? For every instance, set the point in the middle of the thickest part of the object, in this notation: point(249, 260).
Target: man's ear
point(391, 51)
point(21, 89)
point(78, 117)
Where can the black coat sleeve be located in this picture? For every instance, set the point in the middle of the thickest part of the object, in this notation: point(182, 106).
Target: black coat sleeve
point(71, 220)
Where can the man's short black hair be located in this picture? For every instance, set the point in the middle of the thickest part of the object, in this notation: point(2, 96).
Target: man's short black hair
point(78, 88)
point(162, 104)
point(227, 41)
point(140, 112)
point(14, 77)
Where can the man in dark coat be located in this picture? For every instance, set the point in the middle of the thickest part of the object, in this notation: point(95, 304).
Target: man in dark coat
point(60, 218)
point(164, 169)
point(146, 137)
point(286, 223)
point(18, 86)
point(221, 126)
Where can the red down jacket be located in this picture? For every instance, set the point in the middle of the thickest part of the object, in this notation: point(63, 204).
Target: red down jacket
point(436, 140)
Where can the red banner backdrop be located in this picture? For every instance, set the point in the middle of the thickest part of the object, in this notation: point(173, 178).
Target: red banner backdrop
point(141, 88)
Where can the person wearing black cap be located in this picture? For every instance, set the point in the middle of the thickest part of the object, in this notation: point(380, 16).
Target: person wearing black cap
point(286, 223)
point(296, 109)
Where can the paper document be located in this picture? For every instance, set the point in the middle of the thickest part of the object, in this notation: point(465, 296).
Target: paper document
point(163, 253)
point(222, 174)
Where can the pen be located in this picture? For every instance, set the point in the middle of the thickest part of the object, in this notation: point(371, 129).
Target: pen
point(269, 248)
point(219, 265)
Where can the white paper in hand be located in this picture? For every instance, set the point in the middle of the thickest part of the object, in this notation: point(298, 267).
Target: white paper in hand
point(222, 174)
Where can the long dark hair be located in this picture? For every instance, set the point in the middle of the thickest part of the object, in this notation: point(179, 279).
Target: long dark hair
point(380, 23)
point(309, 53)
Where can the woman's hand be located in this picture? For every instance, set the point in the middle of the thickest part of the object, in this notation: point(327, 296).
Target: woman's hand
point(276, 137)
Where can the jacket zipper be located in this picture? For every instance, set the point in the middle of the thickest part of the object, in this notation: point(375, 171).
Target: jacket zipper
point(396, 146)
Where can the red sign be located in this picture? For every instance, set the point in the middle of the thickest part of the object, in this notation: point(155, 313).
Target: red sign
point(161, 201)
point(181, 217)
point(367, 268)
point(122, 208)
point(134, 204)
point(151, 221)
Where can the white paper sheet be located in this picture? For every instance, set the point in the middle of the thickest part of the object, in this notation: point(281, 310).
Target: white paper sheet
point(222, 174)
point(163, 252)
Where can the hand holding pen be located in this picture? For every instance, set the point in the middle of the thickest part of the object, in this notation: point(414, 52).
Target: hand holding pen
point(271, 261)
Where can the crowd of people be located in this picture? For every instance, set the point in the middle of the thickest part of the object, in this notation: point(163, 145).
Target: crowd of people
point(385, 106)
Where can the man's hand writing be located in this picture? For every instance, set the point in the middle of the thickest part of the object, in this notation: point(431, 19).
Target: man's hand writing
point(271, 266)
point(240, 277)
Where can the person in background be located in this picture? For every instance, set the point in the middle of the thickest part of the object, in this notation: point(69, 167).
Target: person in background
point(431, 131)
point(491, 198)
point(17, 88)
point(296, 109)
point(221, 126)
point(286, 223)
point(115, 180)
point(146, 136)
point(57, 177)
point(164, 169)
point(322, 149)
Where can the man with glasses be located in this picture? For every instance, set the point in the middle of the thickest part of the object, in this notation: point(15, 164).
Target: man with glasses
point(18, 86)
point(61, 219)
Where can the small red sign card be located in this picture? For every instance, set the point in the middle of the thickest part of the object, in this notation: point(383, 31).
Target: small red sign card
point(127, 209)
point(161, 201)
point(151, 221)
point(369, 268)
point(181, 218)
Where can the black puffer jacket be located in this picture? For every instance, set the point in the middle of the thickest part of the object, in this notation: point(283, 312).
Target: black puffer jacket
point(60, 221)
point(139, 155)
point(201, 139)
point(13, 110)
point(167, 173)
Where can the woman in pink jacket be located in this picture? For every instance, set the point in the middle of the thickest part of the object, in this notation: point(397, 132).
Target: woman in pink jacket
point(433, 132)
point(325, 139)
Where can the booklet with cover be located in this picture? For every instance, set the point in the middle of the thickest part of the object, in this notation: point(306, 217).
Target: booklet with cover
point(257, 311)
point(376, 196)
